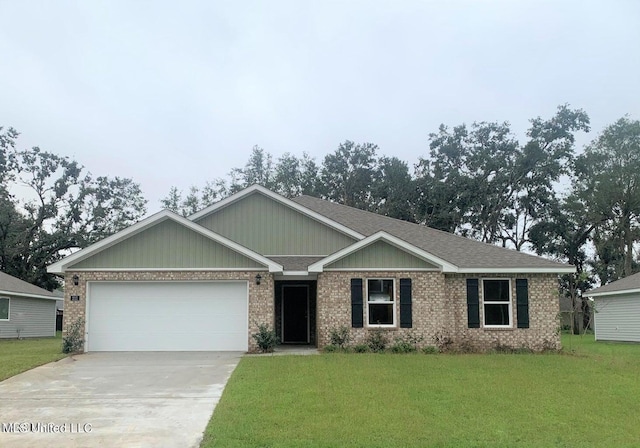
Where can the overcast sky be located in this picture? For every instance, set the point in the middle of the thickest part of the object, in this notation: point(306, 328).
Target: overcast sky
point(177, 93)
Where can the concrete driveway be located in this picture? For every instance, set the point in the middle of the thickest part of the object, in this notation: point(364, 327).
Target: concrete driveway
point(123, 399)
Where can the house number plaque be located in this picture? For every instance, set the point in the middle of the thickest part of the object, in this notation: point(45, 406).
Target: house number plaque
point(75, 298)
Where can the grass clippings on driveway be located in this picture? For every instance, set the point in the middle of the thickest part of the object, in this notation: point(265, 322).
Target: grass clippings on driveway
point(588, 398)
point(20, 355)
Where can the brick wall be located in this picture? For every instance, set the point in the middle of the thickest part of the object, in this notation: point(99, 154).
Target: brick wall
point(429, 310)
point(439, 305)
point(440, 308)
point(544, 308)
point(261, 304)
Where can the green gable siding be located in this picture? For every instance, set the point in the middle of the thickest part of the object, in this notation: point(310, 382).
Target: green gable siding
point(380, 255)
point(167, 245)
point(271, 228)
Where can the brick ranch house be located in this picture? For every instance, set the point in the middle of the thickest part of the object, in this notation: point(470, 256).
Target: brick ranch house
point(303, 267)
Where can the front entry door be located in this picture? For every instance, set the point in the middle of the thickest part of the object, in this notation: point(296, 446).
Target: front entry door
point(295, 314)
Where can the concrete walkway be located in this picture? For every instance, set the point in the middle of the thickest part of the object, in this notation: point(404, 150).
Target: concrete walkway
point(124, 399)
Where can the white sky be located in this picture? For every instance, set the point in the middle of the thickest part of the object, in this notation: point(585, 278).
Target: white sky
point(177, 93)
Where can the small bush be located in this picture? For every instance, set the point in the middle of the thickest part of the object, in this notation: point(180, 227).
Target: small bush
point(549, 346)
point(430, 350)
point(466, 346)
point(266, 338)
point(361, 348)
point(406, 344)
point(73, 341)
point(377, 341)
point(400, 346)
point(443, 342)
point(340, 336)
point(499, 347)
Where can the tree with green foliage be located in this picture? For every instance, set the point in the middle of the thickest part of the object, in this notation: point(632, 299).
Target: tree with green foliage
point(63, 208)
point(563, 235)
point(608, 181)
point(258, 170)
point(394, 193)
point(481, 183)
point(349, 175)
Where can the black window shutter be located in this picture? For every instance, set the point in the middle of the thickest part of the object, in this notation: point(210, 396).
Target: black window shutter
point(522, 302)
point(473, 303)
point(405, 303)
point(356, 303)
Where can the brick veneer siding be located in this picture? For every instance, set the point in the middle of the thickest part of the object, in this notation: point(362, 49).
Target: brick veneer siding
point(544, 309)
point(439, 307)
point(429, 309)
point(261, 303)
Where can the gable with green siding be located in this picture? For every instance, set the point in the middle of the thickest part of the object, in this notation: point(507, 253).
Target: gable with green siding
point(167, 244)
point(269, 227)
point(380, 255)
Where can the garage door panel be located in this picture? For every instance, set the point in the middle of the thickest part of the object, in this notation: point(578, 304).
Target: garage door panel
point(167, 316)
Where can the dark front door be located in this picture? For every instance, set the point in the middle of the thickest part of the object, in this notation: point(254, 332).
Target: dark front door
point(295, 314)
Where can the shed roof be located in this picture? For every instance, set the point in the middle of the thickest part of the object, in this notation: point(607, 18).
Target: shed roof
point(622, 286)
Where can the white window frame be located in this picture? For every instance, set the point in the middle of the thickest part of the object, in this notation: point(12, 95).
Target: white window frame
point(486, 302)
point(392, 302)
point(8, 309)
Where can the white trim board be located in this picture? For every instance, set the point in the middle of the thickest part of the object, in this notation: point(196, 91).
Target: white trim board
point(559, 270)
point(169, 270)
point(32, 296)
point(613, 293)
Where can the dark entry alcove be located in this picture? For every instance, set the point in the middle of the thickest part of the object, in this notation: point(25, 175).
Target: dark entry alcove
point(295, 311)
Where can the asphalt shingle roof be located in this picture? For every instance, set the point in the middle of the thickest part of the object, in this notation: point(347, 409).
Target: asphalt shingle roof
point(460, 251)
point(630, 282)
point(10, 283)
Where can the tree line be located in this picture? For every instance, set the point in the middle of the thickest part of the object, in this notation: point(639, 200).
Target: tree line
point(542, 195)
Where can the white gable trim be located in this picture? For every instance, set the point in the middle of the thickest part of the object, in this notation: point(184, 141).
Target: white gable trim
point(613, 293)
point(444, 266)
point(60, 266)
point(276, 197)
point(29, 296)
point(567, 269)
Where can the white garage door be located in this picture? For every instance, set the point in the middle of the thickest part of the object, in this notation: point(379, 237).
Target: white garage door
point(167, 316)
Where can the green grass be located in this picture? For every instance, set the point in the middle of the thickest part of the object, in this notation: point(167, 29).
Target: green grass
point(19, 355)
point(586, 398)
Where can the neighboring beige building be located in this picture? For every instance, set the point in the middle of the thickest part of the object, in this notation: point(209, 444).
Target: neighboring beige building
point(304, 267)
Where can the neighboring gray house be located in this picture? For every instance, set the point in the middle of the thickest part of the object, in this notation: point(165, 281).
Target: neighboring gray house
point(25, 310)
point(617, 310)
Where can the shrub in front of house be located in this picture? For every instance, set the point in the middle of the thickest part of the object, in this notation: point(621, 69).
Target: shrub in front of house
point(266, 338)
point(361, 348)
point(377, 341)
point(406, 344)
point(430, 350)
point(340, 337)
point(73, 341)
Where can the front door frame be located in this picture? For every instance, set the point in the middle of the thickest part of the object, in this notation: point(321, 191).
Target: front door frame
point(307, 315)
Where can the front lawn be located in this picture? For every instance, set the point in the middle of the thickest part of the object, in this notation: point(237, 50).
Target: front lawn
point(588, 398)
point(19, 355)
